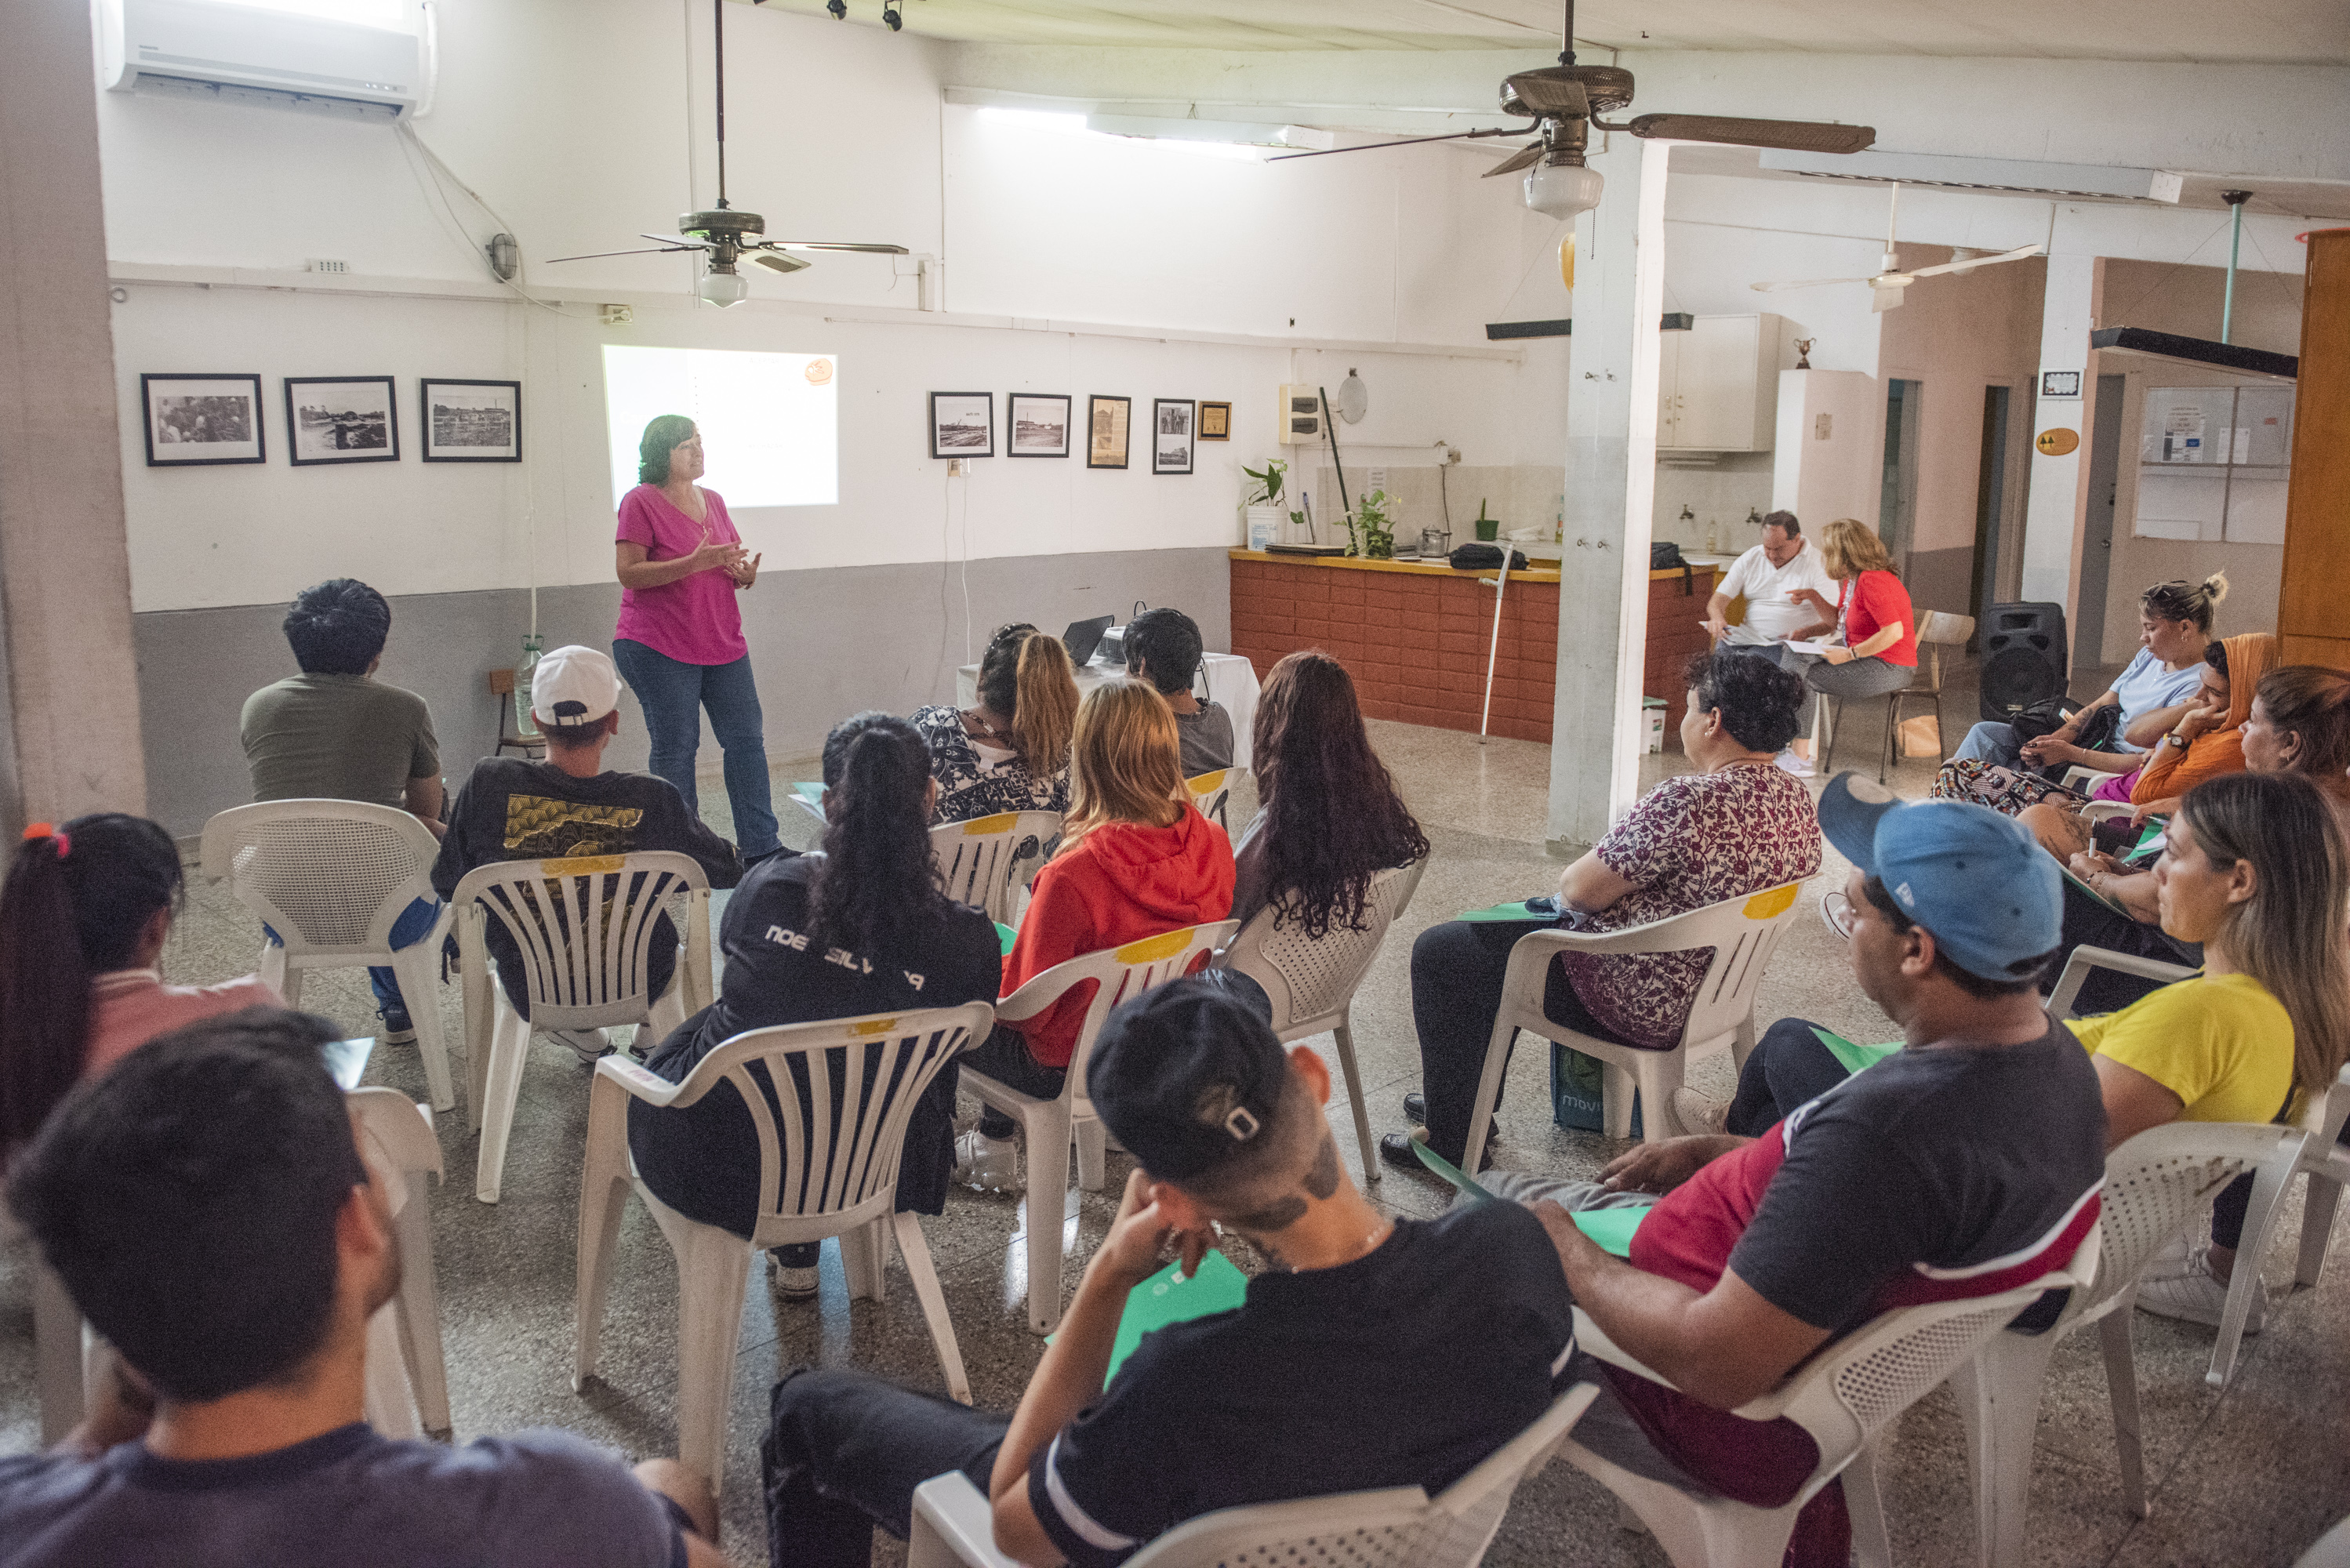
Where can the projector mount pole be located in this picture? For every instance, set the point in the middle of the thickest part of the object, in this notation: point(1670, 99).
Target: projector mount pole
point(2235, 200)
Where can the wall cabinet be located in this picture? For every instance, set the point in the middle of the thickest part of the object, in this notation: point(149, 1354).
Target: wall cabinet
point(1718, 384)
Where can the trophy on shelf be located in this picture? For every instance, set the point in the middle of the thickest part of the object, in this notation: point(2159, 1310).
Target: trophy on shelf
point(1803, 352)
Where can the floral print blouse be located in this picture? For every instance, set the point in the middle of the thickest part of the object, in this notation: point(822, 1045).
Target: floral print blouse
point(968, 787)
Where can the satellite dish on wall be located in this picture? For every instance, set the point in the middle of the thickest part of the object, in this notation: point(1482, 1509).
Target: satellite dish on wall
point(1354, 398)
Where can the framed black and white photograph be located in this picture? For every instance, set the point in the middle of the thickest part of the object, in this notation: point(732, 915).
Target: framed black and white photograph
point(1107, 420)
point(1215, 421)
point(1171, 420)
point(340, 419)
point(963, 424)
point(472, 421)
point(194, 419)
point(1039, 423)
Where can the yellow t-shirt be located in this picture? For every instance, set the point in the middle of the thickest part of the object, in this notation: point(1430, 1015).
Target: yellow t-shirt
point(2220, 1042)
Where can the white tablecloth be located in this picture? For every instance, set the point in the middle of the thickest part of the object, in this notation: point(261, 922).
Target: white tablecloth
point(1231, 680)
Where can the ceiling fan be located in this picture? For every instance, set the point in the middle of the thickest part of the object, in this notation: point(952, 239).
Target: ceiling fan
point(1889, 284)
point(727, 235)
point(1565, 101)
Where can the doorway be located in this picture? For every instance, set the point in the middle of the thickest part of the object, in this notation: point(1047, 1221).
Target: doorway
point(2098, 542)
point(1990, 500)
point(1896, 508)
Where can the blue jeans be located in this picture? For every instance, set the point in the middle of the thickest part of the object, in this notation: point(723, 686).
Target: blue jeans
point(673, 695)
point(1991, 743)
point(414, 924)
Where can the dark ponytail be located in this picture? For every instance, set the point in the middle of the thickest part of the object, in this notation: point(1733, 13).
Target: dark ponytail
point(75, 904)
point(877, 881)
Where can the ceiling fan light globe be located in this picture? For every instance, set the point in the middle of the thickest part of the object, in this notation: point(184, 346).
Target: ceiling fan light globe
point(724, 288)
point(1564, 189)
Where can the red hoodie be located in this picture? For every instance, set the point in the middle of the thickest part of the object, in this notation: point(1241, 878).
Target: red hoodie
point(1119, 884)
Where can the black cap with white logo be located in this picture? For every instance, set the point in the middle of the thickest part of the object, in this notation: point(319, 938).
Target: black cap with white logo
point(1189, 1074)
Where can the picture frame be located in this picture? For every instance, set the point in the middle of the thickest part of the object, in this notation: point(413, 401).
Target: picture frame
point(1036, 423)
point(1215, 421)
point(469, 421)
point(963, 424)
point(194, 419)
point(1173, 423)
point(336, 420)
point(1109, 422)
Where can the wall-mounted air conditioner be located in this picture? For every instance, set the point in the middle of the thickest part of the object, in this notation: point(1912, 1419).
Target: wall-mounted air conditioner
point(367, 58)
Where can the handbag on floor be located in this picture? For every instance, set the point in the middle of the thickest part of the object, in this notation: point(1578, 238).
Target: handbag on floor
point(1922, 736)
point(1577, 1097)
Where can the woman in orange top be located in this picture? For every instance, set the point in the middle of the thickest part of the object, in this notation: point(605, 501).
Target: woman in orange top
point(2208, 738)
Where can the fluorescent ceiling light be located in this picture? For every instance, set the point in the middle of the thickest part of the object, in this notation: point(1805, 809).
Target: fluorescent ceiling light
point(2013, 175)
point(1228, 139)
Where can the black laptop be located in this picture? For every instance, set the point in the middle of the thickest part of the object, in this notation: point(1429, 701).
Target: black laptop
point(1083, 635)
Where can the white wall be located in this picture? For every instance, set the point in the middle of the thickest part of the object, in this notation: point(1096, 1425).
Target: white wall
point(576, 123)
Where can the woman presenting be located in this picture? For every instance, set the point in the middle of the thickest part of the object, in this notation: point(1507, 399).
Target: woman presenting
point(680, 638)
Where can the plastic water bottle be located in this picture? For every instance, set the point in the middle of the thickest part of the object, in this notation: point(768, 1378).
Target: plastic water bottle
point(532, 645)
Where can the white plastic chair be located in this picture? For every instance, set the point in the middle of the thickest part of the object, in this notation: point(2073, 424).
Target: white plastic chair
point(2084, 958)
point(978, 859)
point(406, 1376)
point(1742, 932)
point(2157, 1184)
point(1047, 1126)
point(1843, 1396)
point(1401, 1527)
point(332, 877)
point(1313, 982)
point(544, 905)
point(2331, 1550)
point(816, 1179)
point(2326, 1163)
point(1211, 793)
point(404, 1335)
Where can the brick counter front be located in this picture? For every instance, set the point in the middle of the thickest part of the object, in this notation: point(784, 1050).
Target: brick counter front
point(1415, 637)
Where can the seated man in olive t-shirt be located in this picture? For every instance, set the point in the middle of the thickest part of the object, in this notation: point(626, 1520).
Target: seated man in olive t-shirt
point(336, 732)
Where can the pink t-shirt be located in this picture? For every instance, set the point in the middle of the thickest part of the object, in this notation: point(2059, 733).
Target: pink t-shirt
point(693, 620)
point(131, 1007)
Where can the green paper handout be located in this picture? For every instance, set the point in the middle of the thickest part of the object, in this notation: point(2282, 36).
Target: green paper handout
point(1854, 1057)
point(1163, 1299)
point(1611, 1228)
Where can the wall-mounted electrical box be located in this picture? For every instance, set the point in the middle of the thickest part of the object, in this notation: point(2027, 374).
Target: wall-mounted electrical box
point(1301, 415)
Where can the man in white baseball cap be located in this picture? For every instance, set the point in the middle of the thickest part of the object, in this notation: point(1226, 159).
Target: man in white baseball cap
point(514, 809)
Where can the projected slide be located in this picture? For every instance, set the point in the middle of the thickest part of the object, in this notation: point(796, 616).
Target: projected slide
point(770, 423)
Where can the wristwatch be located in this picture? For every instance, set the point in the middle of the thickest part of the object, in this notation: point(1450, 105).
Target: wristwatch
point(2177, 740)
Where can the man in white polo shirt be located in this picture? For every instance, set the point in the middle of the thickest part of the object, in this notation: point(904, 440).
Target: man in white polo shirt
point(1787, 590)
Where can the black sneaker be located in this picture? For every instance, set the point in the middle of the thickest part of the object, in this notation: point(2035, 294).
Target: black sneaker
point(399, 1028)
point(1415, 1111)
point(1395, 1149)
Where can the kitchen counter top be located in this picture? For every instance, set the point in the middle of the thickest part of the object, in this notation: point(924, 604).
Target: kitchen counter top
point(1418, 569)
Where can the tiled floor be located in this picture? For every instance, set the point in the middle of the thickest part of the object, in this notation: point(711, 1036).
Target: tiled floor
point(2247, 1477)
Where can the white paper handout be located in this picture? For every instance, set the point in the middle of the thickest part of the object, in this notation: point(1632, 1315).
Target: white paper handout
point(1818, 649)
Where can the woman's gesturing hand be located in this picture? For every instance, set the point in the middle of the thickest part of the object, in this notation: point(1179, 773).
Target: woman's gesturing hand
point(746, 572)
point(719, 554)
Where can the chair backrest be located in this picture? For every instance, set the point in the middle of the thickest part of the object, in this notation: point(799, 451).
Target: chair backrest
point(2084, 958)
point(1401, 1526)
point(1311, 981)
point(575, 980)
point(1743, 933)
point(1122, 973)
point(329, 877)
point(398, 1126)
point(1853, 1388)
point(1942, 627)
point(2156, 1184)
point(976, 859)
point(831, 1115)
point(1209, 791)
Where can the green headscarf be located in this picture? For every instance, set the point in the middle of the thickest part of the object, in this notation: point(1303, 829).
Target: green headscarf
point(667, 431)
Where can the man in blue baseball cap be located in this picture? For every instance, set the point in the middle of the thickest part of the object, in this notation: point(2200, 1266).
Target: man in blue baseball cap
point(1964, 1164)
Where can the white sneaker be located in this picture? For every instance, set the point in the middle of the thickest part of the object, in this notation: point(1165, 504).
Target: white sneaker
point(989, 1164)
point(1697, 1114)
point(590, 1043)
point(792, 1284)
point(1789, 763)
point(2196, 1296)
point(2177, 1257)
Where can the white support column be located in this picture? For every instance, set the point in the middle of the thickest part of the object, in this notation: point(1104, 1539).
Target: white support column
point(1611, 481)
point(2057, 501)
point(70, 743)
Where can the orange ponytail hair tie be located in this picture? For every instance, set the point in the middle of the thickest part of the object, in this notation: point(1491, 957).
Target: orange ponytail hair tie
point(45, 830)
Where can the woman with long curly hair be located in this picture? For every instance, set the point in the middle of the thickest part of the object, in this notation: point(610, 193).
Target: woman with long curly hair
point(1136, 859)
point(1328, 817)
point(860, 926)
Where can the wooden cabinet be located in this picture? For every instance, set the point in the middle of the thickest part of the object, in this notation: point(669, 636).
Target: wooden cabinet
point(1718, 384)
point(2317, 502)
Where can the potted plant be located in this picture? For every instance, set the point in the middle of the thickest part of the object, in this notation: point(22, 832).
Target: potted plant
point(1487, 527)
point(1262, 503)
point(1377, 539)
